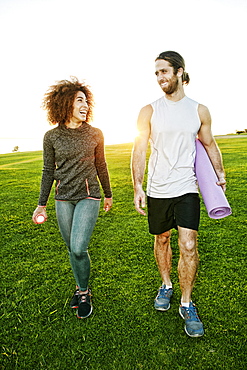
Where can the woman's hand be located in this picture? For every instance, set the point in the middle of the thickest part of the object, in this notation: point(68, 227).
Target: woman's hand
point(107, 204)
point(39, 211)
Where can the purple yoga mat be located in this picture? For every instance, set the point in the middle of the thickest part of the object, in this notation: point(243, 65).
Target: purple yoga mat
point(213, 195)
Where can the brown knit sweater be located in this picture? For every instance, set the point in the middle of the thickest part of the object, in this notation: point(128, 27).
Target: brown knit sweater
point(75, 159)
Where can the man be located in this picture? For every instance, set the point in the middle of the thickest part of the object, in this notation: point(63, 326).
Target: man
point(172, 124)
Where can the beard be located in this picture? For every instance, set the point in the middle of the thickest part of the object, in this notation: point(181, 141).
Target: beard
point(172, 86)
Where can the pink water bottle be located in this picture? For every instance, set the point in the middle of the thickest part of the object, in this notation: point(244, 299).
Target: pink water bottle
point(40, 219)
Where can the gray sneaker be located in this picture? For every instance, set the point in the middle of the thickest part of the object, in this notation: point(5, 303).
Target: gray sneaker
point(162, 300)
point(193, 325)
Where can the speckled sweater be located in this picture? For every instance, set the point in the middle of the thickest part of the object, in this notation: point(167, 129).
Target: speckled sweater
point(75, 158)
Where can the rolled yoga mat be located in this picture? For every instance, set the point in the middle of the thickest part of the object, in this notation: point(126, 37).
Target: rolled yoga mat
point(213, 195)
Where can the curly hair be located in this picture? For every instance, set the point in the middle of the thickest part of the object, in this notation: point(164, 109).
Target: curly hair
point(59, 98)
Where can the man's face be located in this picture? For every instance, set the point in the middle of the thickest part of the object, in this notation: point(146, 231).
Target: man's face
point(165, 76)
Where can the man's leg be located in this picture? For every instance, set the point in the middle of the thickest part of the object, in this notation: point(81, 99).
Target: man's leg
point(187, 269)
point(163, 256)
point(188, 262)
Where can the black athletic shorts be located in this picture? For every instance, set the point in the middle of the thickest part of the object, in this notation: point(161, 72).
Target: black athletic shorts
point(168, 213)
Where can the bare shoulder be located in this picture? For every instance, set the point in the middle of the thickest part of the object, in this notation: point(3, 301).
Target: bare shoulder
point(144, 117)
point(146, 112)
point(144, 128)
point(204, 113)
point(205, 133)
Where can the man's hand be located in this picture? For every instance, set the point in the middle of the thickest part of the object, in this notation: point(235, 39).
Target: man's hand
point(222, 182)
point(140, 201)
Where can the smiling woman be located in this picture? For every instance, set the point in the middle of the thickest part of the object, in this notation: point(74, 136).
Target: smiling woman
point(74, 157)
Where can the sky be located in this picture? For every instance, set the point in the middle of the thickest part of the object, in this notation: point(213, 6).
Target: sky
point(112, 45)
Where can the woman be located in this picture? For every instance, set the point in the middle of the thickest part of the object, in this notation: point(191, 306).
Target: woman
point(74, 157)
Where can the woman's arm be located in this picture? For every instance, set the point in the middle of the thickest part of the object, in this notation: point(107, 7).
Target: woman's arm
point(47, 177)
point(48, 170)
point(102, 172)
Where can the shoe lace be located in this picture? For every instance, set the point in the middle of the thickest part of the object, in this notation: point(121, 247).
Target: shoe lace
point(165, 293)
point(192, 313)
point(83, 297)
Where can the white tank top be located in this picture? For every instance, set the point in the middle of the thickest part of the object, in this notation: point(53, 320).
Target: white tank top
point(174, 127)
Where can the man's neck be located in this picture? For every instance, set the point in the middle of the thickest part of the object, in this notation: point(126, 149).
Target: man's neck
point(177, 95)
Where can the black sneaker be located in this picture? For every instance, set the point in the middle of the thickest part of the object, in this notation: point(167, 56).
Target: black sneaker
point(75, 299)
point(85, 307)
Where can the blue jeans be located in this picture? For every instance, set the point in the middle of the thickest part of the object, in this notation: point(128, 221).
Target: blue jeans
point(76, 221)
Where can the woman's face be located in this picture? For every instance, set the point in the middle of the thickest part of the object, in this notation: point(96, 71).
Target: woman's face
point(80, 108)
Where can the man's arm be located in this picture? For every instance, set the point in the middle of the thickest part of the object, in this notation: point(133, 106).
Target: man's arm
point(138, 160)
point(207, 139)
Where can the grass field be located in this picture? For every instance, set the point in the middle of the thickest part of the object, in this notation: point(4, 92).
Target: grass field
point(40, 331)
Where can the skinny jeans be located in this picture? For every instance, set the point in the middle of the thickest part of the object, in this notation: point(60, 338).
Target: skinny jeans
point(76, 221)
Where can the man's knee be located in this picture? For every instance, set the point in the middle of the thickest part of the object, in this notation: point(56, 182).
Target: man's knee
point(187, 240)
point(164, 237)
point(188, 248)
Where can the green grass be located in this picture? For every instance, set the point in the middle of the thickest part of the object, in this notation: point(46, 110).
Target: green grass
point(40, 331)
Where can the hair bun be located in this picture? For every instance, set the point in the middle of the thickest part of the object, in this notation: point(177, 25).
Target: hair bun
point(185, 78)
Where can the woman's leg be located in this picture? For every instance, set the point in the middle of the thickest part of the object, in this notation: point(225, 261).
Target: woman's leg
point(65, 213)
point(76, 221)
point(85, 216)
